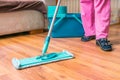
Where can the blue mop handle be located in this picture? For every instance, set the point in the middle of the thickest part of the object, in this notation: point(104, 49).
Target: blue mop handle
point(46, 44)
point(47, 40)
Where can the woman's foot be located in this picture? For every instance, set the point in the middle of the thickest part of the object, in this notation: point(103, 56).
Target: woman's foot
point(87, 38)
point(104, 44)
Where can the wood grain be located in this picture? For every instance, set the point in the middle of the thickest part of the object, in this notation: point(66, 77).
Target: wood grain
point(90, 62)
point(36, 31)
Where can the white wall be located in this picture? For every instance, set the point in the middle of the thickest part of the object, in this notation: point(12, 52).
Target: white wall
point(73, 5)
point(50, 2)
point(115, 7)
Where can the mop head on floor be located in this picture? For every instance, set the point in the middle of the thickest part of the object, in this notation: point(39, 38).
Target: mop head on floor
point(39, 60)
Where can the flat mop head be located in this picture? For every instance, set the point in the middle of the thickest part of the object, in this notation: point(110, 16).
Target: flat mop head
point(39, 60)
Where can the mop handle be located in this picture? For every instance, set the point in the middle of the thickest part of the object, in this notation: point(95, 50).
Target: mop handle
point(46, 44)
point(54, 17)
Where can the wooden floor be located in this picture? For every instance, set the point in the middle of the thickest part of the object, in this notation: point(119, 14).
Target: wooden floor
point(90, 62)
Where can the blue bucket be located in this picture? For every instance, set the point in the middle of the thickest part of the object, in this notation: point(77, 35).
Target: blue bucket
point(61, 11)
point(67, 26)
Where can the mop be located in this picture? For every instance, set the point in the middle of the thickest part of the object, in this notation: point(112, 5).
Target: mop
point(45, 57)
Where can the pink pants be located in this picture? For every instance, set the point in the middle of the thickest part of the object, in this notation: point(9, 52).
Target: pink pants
point(96, 17)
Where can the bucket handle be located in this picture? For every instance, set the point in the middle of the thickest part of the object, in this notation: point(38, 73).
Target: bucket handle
point(61, 18)
point(76, 18)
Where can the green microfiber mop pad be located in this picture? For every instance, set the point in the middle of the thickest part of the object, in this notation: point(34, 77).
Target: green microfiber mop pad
point(39, 60)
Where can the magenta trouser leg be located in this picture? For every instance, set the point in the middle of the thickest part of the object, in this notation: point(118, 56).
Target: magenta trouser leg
point(96, 17)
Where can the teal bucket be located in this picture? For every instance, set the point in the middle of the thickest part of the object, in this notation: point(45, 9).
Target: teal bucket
point(68, 26)
point(61, 11)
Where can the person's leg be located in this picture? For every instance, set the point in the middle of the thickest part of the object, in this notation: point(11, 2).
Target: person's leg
point(102, 22)
point(102, 18)
point(87, 15)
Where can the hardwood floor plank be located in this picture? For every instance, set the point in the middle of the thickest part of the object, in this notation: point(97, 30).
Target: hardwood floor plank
point(90, 62)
